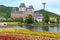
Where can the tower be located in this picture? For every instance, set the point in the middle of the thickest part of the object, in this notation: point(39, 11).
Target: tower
point(44, 5)
point(13, 12)
point(22, 7)
point(31, 9)
point(23, 11)
point(44, 10)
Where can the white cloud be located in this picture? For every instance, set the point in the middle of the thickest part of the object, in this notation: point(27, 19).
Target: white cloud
point(54, 10)
point(51, 5)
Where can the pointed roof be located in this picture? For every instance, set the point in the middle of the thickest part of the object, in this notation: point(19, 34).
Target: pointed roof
point(31, 7)
point(22, 5)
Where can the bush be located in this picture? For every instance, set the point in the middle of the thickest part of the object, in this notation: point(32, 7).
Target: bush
point(52, 21)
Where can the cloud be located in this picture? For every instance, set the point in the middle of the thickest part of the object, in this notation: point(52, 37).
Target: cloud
point(51, 5)
point(10, 2)
point(54, 10)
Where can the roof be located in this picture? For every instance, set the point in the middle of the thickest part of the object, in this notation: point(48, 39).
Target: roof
point(38, 15)
point(13, 9)
point(31, 7)
point(22, 5)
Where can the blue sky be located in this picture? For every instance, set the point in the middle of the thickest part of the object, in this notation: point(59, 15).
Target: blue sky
point(51, 5)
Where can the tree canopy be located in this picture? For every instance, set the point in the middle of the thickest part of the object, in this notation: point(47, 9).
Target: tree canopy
point(29, 19)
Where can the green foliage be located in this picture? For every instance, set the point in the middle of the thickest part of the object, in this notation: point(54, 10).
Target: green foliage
point(46, 17)
point(10, 20)
point(52, 21)
point(39, 23)
point(29, 19)
point(5, 11)
point(51, 14)
point(19, 19)
point(48, 14)
point(57, 20)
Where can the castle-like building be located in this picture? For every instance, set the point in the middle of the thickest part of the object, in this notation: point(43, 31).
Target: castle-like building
point(23, 11)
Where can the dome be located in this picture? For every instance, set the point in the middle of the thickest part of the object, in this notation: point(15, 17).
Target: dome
point(22, 5)
point(31, 7)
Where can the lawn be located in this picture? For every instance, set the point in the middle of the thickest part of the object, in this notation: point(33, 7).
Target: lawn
point(12, 22)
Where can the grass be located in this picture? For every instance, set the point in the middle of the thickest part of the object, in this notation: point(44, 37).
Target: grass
point(12, 22)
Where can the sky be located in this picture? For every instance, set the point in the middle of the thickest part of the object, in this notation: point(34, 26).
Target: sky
point(51, 5)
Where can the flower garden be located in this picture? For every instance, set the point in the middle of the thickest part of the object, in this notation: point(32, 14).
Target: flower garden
point(28, 34)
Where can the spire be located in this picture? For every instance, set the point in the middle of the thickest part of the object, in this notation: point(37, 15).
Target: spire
point(22, 5)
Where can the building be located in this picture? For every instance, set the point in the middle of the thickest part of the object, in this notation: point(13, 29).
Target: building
point(38, 17)
point(54, 19)
point(2, 18)
point(24, 11)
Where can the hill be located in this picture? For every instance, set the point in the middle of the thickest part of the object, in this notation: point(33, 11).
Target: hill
point(51, 14)
point(6, 12)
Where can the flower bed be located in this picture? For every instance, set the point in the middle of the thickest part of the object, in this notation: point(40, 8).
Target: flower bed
point(7, 36)
point(21, 31)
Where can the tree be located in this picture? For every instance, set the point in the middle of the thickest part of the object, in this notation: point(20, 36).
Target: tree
point(29, 19)
point(10, 19)
point(52, 21)
point(57, 20)
point(21, 19)
point(46, 18)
